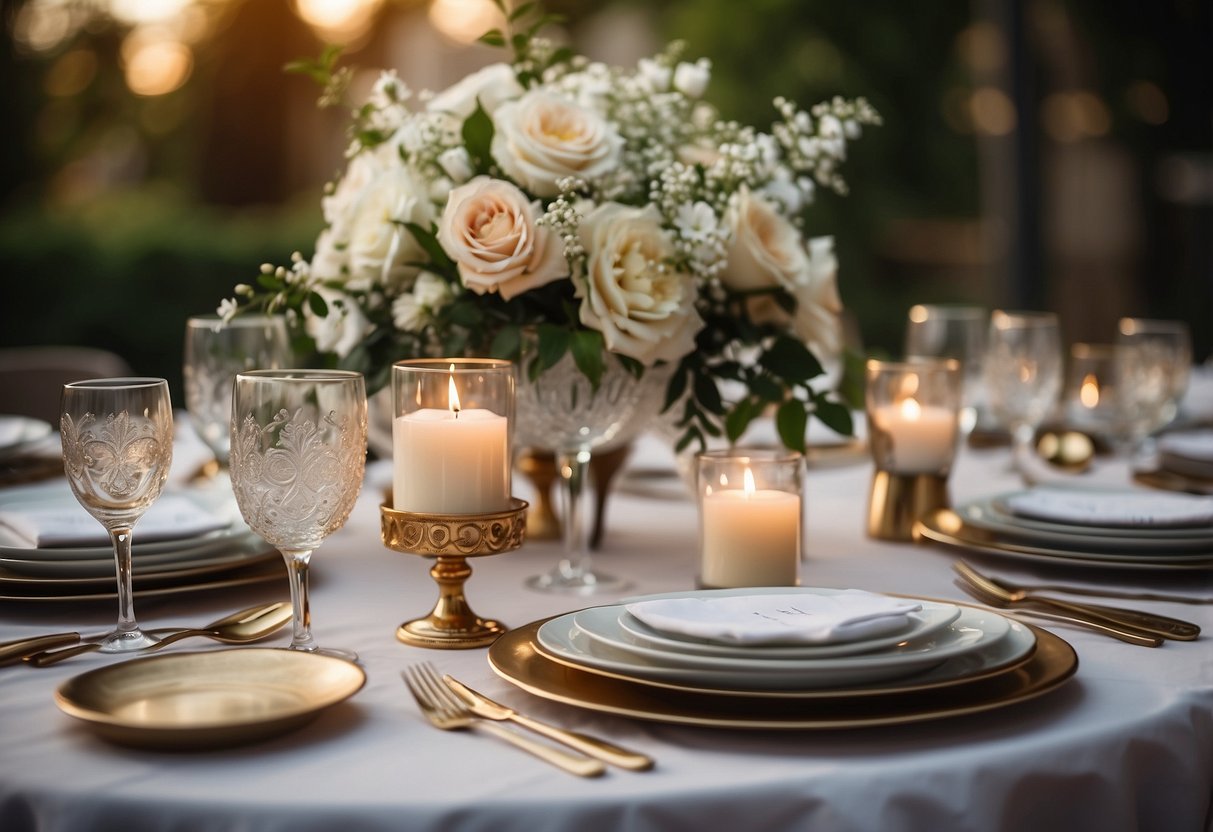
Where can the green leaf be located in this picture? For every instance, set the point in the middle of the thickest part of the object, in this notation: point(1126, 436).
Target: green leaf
point(767, 389)
point(676, 387)
point(791, 360)
point(553, 344)
point(507, 343)
point(740, 417)
point(631, 365)
point(430, 245)
point(493, 37)
point(561, 56)
point(318, 305)
point(836, 416)
point(785, 301)
point(520, 11)
point(478, 138)
point(587, 349)
point(791, 421)
point(708, 394)
point(692, 435)
point(268, 281)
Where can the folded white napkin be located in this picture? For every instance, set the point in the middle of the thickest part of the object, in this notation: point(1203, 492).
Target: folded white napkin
point(1116, 509)
point(56, 524)
point(802, 618)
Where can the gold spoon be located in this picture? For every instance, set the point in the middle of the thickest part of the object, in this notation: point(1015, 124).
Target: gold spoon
point(238, 628)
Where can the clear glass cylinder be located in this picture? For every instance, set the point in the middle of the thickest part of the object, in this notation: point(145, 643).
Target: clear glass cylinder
point(750, 510)
point(913, 410)
point(946, 331)
point(451, 435)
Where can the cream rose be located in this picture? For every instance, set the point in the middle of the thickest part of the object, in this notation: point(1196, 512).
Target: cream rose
point(765, 250)
point(542, 138)
point(818, 318)
point(489, 229)
point(642, 307)
point(491, 86)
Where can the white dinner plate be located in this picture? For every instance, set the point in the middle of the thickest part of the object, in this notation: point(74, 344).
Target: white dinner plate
point(211, 552)
point(19, 433)
point(614, 624)
point(981, 514)
point(972, 630)
point(996, 507)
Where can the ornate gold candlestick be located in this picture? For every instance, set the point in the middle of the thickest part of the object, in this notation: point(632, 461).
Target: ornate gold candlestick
point(451, 539)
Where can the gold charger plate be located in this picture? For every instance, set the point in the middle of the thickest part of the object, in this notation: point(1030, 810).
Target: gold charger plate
point(516, 659)
point(269, 567)
point(210, 699)
point(948, 528)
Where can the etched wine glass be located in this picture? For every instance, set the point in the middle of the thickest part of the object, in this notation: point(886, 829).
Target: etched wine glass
point(943, 331)
point(1023, 372)
point(215, 350)
point(561, 411)
point(1162, 364)
point(117, 448)
point(298, 452)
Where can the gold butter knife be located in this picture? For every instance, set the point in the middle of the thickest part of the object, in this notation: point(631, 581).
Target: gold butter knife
point(486, 708)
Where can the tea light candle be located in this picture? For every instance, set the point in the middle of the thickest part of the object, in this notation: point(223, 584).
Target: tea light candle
point(451, 461)
point(922, 437)
point(751, 537)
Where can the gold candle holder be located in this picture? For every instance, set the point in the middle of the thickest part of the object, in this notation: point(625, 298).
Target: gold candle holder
point(913, 411)
point(450, 539)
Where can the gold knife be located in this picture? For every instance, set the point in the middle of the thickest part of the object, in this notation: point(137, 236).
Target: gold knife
point(12, 652)
point(486, 708)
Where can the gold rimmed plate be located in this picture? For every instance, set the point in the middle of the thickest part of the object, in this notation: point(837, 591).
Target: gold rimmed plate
point(516, 658)
point(947, 528)
point(270, 567)
point(210, 699)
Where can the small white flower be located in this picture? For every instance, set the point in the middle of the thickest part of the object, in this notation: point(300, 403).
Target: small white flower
point(695, 222)
point(227, 308)
point(457, 164)
point(692, 79)
point(491, 86)
point(654, 75)
point(342, 329)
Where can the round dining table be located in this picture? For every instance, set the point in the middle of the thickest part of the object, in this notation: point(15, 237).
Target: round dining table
point(1125, 744)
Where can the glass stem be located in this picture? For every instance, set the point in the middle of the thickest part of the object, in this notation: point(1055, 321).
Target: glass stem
point(577, 503)
point(121, 538)
point(297, 561)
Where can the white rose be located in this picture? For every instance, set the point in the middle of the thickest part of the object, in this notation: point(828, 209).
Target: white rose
point(342, 329)
point(543, 137)
point(642, 307)
point(490, 230)
point(692, 79)
point(492, 86)
point(656, 76)
point(818, 318)
point(765, 250)
point(377, 244)
point(456, 163)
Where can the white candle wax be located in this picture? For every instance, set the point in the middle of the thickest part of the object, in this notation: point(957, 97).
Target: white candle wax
point(750, 538)
point(447, 462)
point(923, 438)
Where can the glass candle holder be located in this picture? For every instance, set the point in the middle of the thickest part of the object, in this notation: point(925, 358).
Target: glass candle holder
point(451, 435)
point(749, 517)
point(913, 410)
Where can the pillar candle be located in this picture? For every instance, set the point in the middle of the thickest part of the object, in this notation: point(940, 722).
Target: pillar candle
point(922, 438)
point(751, 537)
point(450, 462)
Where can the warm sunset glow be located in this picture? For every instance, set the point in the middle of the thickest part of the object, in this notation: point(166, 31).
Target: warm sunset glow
point(155, 64)
point(464, 20)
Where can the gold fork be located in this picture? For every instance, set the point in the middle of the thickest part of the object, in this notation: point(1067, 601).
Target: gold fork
point(444, 710)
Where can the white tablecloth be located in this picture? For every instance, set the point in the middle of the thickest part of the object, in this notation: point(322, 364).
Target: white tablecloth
point(1126, 745)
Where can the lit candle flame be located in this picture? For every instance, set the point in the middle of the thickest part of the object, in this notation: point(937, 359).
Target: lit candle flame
point(1088, 394)
point(453, 394)
point(911, 410)
point(749, 483)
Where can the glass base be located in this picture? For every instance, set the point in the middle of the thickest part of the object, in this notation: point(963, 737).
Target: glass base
point(124, 642)
point(577, 582)
point(332, 652)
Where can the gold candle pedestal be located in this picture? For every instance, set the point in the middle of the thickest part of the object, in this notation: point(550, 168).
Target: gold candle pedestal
point(897, 501)
point(451, 539)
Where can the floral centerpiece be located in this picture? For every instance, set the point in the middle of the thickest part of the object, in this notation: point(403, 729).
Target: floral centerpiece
point(552, 205)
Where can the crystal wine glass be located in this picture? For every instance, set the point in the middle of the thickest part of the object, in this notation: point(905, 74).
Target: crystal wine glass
point(560, 411)
point(1023, 370)
point(298, 452)
point(215, 350)
point(942, 331)
point(1162, 365)
point(117, 449)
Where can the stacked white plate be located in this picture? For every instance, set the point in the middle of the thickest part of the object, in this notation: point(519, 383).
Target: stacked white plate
point(227, 554)
point(1123, 528)
point(20, 435)
point(1187, 453)
point(939, 643)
